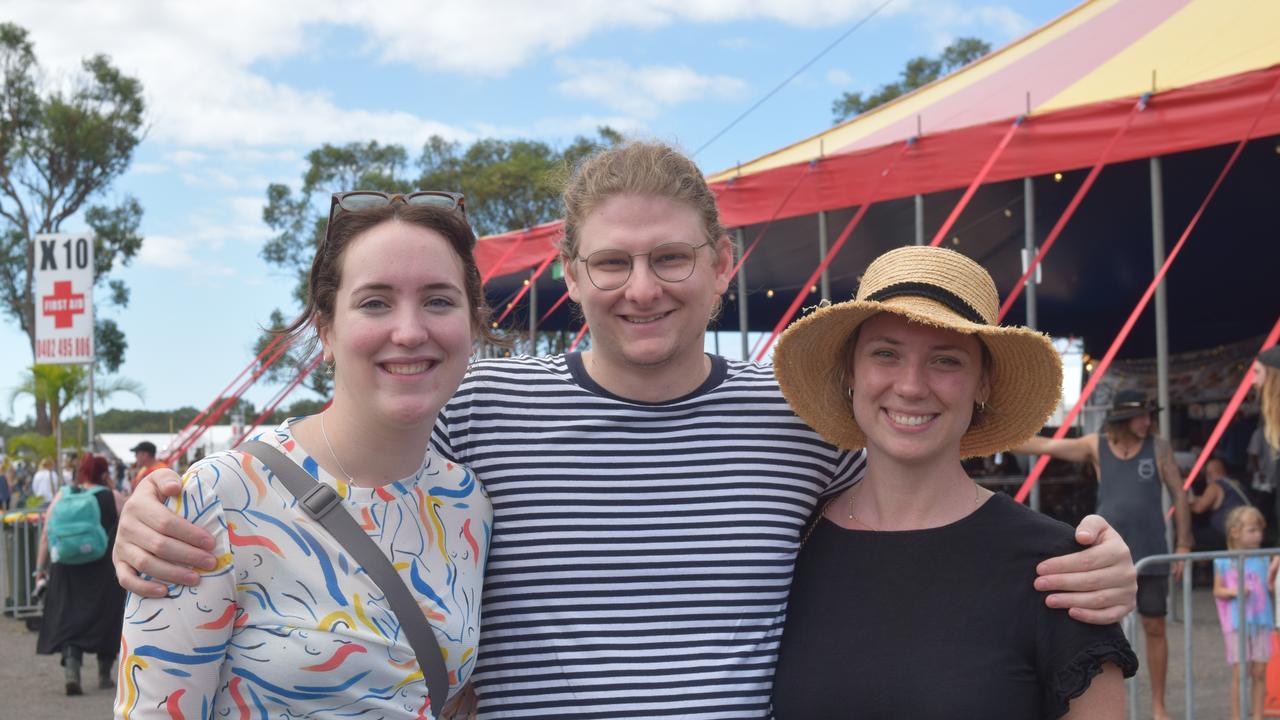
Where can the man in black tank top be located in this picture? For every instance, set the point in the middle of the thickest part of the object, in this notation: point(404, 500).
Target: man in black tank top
point(1132, 464)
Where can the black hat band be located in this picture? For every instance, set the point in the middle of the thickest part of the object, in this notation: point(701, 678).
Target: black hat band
point(918, 289)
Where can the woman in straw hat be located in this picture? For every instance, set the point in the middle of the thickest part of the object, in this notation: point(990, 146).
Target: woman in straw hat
point(913, 592)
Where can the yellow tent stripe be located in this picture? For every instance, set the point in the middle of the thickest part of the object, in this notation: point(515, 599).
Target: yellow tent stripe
point(850, 133)
point(1207, 39)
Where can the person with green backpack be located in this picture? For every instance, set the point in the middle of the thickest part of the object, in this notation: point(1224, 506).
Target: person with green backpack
point(83, 604)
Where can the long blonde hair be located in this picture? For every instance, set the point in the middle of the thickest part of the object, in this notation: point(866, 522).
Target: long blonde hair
point(1237, 518)
point(1270, 396)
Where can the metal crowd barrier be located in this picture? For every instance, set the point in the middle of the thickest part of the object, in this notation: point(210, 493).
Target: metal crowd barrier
point(1131, 623)
point(19, 543)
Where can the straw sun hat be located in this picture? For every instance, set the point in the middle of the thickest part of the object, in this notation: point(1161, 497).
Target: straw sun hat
point(932, 286)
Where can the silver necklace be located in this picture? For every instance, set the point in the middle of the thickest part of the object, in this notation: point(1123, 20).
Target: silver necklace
point(332, 454)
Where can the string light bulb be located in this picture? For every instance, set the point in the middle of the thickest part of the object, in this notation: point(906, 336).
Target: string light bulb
point(1057, 177)
point(769, 294)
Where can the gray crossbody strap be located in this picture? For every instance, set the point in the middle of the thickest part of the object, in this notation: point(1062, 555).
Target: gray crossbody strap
point(319, 501)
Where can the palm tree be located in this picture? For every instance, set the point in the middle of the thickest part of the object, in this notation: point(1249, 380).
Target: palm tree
point(59, 386)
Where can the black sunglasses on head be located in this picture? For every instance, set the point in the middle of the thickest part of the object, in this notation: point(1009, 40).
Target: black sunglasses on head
point(364, 199)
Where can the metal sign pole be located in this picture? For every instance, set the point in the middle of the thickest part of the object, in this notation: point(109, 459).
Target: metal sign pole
point(89, 421)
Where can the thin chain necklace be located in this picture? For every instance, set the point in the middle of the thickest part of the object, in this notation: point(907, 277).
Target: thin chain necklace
point(332, 454)
point(977, 495)
point(854, 518)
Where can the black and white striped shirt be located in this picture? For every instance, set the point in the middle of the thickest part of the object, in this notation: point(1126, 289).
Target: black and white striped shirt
point(642, 553)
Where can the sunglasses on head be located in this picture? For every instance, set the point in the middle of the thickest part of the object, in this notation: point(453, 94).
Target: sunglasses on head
point(365, 199)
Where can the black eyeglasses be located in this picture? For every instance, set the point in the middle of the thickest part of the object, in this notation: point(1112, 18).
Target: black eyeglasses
point(671, 262)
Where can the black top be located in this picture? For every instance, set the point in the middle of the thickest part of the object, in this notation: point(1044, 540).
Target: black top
point(936, 623)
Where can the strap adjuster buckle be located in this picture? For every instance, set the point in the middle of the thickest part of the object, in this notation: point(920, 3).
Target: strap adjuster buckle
point(319, 500)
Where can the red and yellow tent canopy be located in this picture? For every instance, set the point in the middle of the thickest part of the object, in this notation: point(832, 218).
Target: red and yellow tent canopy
point(1102, 51)
point(1209, 66)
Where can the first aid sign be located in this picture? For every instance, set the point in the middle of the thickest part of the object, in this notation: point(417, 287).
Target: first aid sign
point(64, 298)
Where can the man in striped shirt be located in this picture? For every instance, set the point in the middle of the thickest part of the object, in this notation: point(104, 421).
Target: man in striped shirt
point(648, 498)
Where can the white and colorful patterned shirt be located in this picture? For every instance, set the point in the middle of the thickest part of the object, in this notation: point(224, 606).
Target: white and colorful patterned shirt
point(288, 624)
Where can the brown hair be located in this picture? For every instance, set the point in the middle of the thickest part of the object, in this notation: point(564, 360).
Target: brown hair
point(1269, 394)
point(347, 225)
point(1240, 516)
point(651, 169)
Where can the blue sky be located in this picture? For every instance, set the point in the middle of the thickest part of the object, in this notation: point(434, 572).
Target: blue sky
point(238, 92)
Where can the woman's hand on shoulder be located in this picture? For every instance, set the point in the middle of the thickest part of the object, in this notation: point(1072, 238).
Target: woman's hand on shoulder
point(152, 540)
point(1097, 585)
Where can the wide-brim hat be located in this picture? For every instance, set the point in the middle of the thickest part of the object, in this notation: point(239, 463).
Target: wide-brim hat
point(932, 286)
point(1130, 404)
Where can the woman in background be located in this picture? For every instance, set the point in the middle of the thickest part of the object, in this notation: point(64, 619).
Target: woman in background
point(83, 605)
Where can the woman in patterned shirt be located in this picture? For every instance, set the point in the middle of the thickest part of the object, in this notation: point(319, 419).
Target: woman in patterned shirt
point(287, 624)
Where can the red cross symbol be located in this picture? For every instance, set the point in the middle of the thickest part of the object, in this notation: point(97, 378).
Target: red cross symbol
point(63, 304)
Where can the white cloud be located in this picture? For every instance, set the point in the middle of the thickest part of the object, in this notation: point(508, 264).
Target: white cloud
point(200, 62)
point(197, 64)
point(183, 158)
point(166, 251)
point(583, 125)
point(497, 35)
point(839, 78)
point(945, 20)
point(234, 219)
point(146, 168)
point(642, 91)
point(211, 178)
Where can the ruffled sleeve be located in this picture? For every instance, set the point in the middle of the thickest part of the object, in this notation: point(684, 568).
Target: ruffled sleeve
point(1074, 676)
